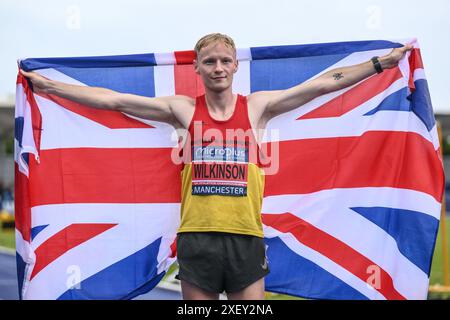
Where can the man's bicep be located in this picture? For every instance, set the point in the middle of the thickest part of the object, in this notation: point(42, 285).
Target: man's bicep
point(156, 109)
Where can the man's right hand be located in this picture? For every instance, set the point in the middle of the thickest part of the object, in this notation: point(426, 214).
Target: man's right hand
point(40, 84)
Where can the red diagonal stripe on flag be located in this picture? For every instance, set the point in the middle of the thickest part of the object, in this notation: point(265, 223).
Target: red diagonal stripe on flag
point(356, 96)
point(375, 159)
point(66, 239)
point(107, 118)
point(333, 249)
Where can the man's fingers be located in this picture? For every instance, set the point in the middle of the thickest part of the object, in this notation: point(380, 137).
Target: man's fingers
point(404, 49)
point(408, 47)
point(25, 73)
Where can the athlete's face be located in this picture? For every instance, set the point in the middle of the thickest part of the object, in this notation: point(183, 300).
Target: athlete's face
point(216, 64)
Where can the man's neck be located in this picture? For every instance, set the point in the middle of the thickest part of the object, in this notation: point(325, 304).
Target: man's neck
point(220, 103)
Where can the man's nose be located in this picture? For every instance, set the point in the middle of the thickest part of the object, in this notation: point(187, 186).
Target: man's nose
point(218, 67)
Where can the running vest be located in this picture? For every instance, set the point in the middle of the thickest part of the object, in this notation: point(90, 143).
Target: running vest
point(222, 179)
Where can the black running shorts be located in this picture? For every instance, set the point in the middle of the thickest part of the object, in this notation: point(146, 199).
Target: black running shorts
point(218, 262)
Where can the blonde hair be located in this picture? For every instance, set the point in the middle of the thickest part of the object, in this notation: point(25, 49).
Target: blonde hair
point(214, 37)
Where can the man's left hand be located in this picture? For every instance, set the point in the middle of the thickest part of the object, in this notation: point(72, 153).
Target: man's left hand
point(392, 59)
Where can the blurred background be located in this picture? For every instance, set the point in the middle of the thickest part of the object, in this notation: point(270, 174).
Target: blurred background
point(65, 28)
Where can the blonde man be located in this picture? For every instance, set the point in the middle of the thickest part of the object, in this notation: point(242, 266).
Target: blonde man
point(220, 240)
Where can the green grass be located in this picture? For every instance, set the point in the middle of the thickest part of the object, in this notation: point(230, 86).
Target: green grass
point(276, 296)
point(7, 238)
point(437, 270)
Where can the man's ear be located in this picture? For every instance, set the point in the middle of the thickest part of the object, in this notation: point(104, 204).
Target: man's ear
point(237, 66)
point(195, 63)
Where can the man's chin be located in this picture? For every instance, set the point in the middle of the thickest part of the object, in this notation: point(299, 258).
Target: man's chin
point(219, 87)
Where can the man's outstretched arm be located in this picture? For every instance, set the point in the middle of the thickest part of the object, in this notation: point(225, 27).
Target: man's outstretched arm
point(273, 103)
point(157, 109)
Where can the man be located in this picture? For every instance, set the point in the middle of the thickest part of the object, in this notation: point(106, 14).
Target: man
point(220, 240)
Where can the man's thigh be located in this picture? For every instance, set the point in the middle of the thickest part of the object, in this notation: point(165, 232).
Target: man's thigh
point(192, 292)
point(255, 291)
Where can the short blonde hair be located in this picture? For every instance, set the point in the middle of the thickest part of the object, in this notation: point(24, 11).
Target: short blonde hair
point(214, 37)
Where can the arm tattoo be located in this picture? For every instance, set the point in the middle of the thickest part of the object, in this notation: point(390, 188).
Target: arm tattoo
point(338, 76)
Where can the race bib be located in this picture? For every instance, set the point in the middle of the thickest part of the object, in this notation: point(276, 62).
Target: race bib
point(220, 170)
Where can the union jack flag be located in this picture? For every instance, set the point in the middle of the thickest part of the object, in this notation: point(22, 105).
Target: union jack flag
point(351, 213)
